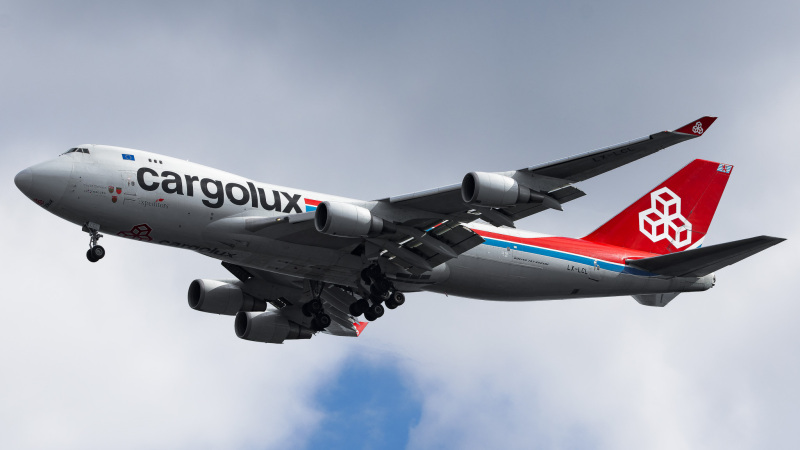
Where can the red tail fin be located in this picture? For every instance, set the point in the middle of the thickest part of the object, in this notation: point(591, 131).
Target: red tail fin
point(672, 217)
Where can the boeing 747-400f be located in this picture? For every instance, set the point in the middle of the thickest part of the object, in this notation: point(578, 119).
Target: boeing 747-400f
point(322, 262)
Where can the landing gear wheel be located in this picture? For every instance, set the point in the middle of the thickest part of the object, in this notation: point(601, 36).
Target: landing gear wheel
point(321, 322)
point(395, 299)
point(98, 252)
point(374, 271)
point(376, 299)
point(95, 253)
point(375, 311)
point(369, 316)
point(365, 277)
point(312, 308)
point(383, 285)
point(398, 298)
point(376, 294)
point(359, 307)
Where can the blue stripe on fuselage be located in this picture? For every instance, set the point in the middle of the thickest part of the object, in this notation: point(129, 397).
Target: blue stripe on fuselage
point(566, 256)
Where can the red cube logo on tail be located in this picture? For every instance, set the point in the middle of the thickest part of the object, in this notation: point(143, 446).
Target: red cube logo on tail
point(664, 220)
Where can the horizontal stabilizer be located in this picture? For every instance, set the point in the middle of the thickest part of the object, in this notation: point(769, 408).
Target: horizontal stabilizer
point(705, 260)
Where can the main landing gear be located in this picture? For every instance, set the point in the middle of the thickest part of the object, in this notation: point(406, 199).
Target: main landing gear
point(315, 309)
point(95, 252)
point(380, 291)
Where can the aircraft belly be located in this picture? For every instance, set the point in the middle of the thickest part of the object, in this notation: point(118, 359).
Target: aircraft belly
point(495, 273)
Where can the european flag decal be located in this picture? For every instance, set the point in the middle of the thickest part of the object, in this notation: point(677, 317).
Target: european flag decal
point(128, 157)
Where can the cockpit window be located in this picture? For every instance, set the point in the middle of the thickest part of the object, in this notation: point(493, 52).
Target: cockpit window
point(79, 150)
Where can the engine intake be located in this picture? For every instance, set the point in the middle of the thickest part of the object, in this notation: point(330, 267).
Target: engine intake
point(494, 190)
point(270, 327)
point(221, 297)
point(344, 219)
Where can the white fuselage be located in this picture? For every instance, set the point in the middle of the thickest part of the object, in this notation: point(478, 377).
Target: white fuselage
point(167, 201)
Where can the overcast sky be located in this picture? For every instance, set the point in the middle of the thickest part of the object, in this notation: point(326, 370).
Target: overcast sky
point(374, 99)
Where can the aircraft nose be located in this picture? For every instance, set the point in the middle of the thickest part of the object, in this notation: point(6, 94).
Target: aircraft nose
point(23, 180)
point(45, 183)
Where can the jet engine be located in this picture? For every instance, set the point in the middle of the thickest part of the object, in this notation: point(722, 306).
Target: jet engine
point(494, 190)
point(270, 327)
point(221, 297)
point(344, 219)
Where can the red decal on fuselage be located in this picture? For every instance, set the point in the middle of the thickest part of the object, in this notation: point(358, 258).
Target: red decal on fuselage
point(581, 247)
point(139, 232)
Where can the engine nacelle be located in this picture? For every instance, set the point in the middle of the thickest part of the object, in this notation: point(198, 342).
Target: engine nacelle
point(344, 219)
point(494, 190)
point(220, 297)
point(269, 327)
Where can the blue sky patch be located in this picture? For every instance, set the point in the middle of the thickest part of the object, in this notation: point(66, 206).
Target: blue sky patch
point(367, 406)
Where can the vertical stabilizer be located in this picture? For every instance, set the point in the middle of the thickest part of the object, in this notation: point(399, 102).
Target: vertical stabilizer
point(672, 217)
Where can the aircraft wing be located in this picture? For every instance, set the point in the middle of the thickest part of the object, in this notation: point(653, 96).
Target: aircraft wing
point(417, 245)
point(427, 227)
point(552, 180)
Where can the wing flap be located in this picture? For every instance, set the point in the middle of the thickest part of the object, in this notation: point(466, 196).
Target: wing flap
point(705, 260)
point(455, 237)
point(337, 303)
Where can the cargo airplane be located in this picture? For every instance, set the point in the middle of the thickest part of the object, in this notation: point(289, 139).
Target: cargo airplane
point(305, 262)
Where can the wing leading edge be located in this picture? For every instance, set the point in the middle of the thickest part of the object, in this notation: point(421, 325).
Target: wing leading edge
point(551, 179)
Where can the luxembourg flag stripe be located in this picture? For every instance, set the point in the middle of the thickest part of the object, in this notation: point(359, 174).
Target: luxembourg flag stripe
point(311, 205)
point(551, 250)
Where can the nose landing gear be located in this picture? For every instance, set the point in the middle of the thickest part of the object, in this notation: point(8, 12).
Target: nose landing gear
point(95, 252)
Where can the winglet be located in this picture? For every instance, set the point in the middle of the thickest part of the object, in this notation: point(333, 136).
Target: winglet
point(360, 327)
point(697, 127)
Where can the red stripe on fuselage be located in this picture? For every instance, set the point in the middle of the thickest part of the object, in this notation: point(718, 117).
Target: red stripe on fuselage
point(310, 202)
point(588, 249)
